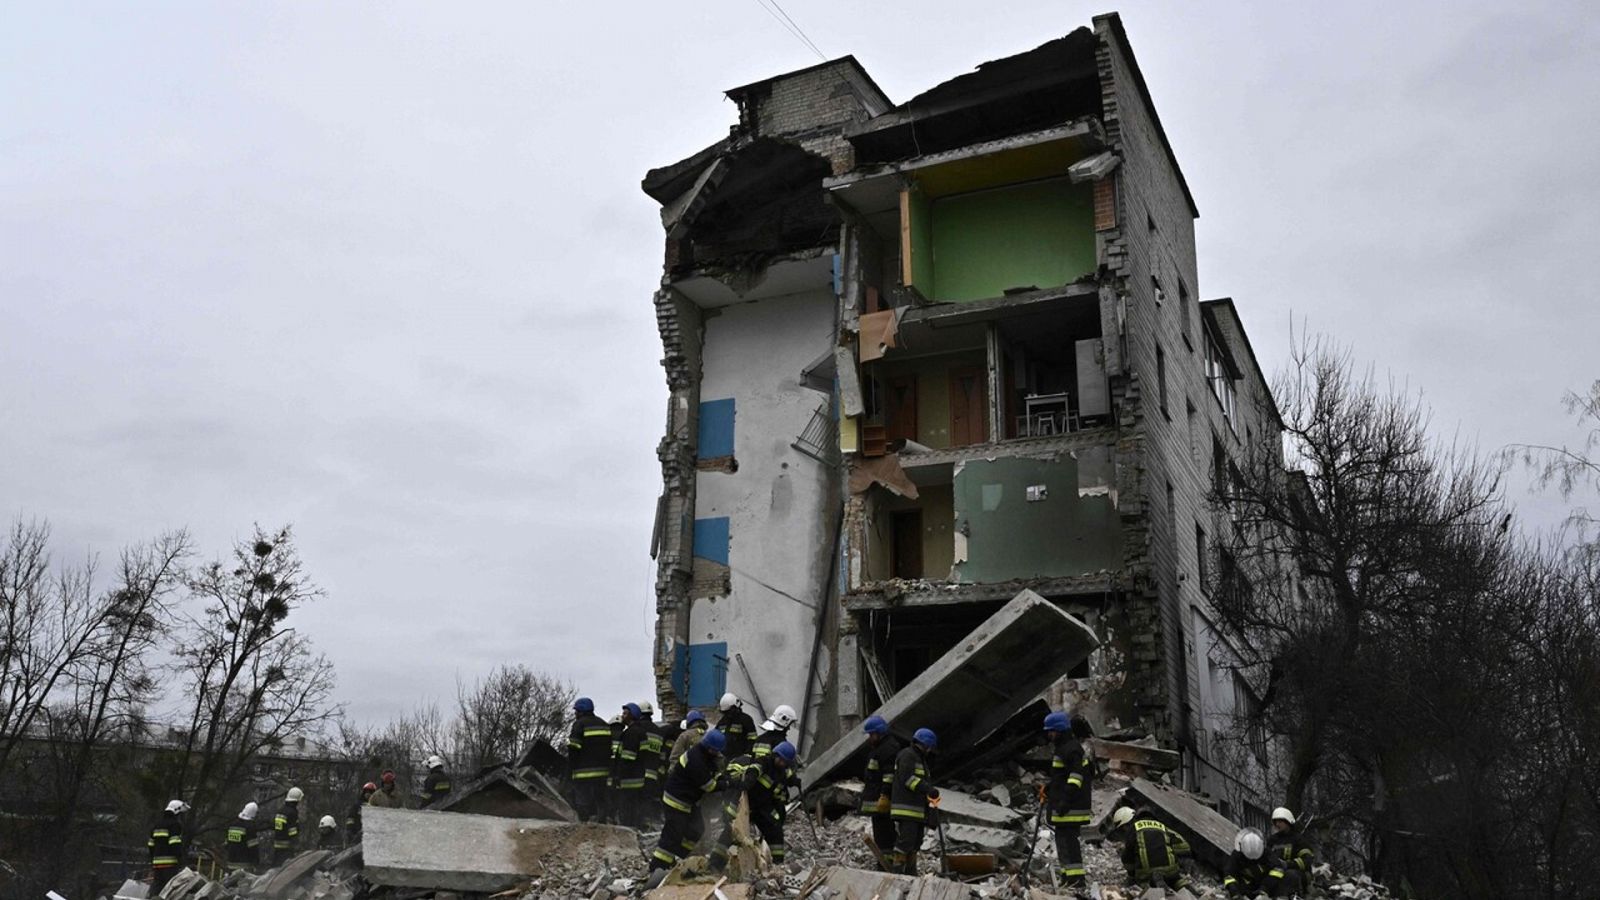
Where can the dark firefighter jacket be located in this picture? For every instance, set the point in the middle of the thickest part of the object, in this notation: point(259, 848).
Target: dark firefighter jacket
point(166, 842)
point(1151, 848)
point(1071, 780)
point(1286, 850)
point(650, 753)
point(589, 749)
point(740, 729)
point(286, 827)
point(628, 770)
point(913, 785)
point(243, 838)
point(766, 741)
point(435, 787)
point(1245, 877)
point(690, 777)
point(878, 780)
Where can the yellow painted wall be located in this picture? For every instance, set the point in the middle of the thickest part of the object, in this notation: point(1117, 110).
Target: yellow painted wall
point(933, 390)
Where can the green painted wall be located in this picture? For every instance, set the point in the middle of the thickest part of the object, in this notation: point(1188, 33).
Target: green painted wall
point(1039, 234)
point(919, 242)
point(1075, 530)
point(938, 532)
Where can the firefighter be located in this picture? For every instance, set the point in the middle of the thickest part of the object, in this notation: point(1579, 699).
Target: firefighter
point(166, 846)
point(627, 767)
point(736, 724)
point(1068, 796)
point(912, 795)
point(286, 826)
point(244, 839)
point(328, 833)
point(588, 760)
point(695, 727)
point(1290, 856)
point(1150, 850)
point(436, 784)
point(877, 784)
point(352, 819)
point(651, 754)
point(1246, 872)
point(774, 731)
point(689, 779)
point(767, 783)
point(388, 795)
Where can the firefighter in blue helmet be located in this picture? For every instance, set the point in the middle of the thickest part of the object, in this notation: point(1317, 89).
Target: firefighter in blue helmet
point(588, 760)
point(689, 778)
point(1068, 796)
point(627, 766)
point(877, 783)
point(912, 797)
point(768, 783)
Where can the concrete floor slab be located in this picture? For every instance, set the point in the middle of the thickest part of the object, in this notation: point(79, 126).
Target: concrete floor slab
point(996, 670)
point(447, 851)
point(1210, 833)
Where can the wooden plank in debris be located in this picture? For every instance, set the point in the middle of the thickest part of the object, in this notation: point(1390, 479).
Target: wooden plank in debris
point(1138, 755)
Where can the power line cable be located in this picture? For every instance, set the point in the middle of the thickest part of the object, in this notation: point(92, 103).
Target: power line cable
point(789, 25)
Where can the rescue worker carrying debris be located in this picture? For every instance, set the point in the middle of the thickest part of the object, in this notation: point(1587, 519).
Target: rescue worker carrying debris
point(352, 819)
point(736, 724)
point(389, 795)
point(774, 731)
point(588, 760)
point(695, 727)
point(244, 839)
point(436, 784)
point(1246, 872)
point(166, 846)
point(1290, 856)
point(286, 826)
point(627, 767)
point(912, 796)
point(690, 778)
point(327, 834)
point(767, 783)
point(1068, 796)
point(1150, 850)
point(877, 783)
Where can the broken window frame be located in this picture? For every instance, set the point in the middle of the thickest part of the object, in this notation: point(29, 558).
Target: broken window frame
point(1220, 382)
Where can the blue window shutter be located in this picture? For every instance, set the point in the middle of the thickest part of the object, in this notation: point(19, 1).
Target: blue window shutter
point(716, 429)
point(708, 673)
point(711, 539)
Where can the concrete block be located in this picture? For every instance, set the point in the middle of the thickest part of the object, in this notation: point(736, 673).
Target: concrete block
point(283, 880)
point(132, 890)
point(955, 806)
point(437, 850)
point(1210, 834)
point(843, 883)
point(968, 693)
point(995, 840)
point(183, 885)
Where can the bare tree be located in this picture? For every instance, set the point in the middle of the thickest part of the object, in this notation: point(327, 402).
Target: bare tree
point(400, 746)
point(1570, 469)
point(251, 680)
point(501, 715)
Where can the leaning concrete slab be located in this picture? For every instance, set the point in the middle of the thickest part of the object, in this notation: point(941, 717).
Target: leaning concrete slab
point(954, 806)
point(1210, 834)
point(974, 688)
point(445, 851)
point(513, 795)
point(1135, 758)
point(858, 884)
point(282, 881)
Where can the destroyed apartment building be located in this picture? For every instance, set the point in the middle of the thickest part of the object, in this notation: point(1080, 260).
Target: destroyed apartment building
point(923, 357)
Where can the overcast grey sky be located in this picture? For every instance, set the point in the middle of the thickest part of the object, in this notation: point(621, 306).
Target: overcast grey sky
point(384, 270)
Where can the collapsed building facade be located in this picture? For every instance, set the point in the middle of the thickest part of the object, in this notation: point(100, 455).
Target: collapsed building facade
point(924, 356)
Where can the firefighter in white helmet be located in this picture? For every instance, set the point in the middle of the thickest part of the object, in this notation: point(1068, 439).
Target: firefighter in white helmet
point(286, 826)
point(774, 731)
point(328, 833)
point(1289, 855)
point(736, 725)
point(436, 784)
